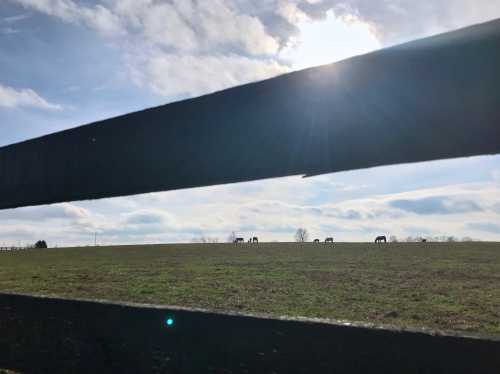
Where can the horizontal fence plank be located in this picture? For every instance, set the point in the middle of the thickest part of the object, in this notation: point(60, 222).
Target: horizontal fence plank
point(58, 335)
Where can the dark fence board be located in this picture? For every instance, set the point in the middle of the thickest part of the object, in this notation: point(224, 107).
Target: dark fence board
point(39, 335)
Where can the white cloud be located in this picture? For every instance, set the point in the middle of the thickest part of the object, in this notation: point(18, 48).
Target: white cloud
point(14, 19)
point(9, 31)
point(189, 75)
point(222, 25)
point(178, 48)
point(98, 17)
point(183, 25)
point(195, 26)
point(290, 12)
point(495, 175)
point(396, 21)
point(393, 21)
point(271, 209)
point(26, 97)
point(184, 47)
point(488, 227)
point(66, 211)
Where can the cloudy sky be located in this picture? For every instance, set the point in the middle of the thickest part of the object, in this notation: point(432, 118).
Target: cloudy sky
point(64, 63)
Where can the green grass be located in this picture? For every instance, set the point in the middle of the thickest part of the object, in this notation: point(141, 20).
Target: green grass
point(452, 286)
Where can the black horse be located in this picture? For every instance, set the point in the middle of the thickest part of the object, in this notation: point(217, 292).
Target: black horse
point(238, 240)
point(255, 239)
point(316, 240)
point(380, 239)
point(329, 240)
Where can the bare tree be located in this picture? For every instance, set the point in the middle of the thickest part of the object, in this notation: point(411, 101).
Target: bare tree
point(232, 237)
point(393, 239)
point(301, 235)
point(205, 239)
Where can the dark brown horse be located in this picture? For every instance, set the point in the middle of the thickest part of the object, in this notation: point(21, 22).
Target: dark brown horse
point(329, 240)
point(380, 239)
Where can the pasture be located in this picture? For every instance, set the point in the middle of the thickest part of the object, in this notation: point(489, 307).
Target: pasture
point(447, 286)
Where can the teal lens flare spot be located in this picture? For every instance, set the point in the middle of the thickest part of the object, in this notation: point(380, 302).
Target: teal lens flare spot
point(169, 322)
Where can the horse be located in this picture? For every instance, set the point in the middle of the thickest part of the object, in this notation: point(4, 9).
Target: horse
point(316, 241)
point(239, 240)
point(380, 239)
point(329, 240)
point(424, 240)
point(255, 239)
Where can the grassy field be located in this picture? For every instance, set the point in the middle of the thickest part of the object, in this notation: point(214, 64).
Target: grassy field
point(452, 286)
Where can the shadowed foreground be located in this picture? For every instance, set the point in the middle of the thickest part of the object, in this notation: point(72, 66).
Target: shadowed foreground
point(453, 286)
point(39, 335)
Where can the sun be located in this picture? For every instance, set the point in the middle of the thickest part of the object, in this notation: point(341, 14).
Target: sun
point(330, 40)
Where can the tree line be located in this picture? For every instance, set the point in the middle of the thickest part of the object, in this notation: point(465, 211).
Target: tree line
point(302, 235)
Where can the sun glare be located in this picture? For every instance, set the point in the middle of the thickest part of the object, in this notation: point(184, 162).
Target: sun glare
point(330, 40)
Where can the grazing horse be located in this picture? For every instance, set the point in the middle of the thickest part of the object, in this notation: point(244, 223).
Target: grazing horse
point(381, 239)
point(238, 240)
point(316, 240)
point(255, 239)
point(424, 240)
point(329, 240)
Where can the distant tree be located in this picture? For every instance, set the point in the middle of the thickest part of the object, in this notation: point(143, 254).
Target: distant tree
point(41, 244)
point(206, 239)
point(232, 237)
point(393, 239)
point(301, 235)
